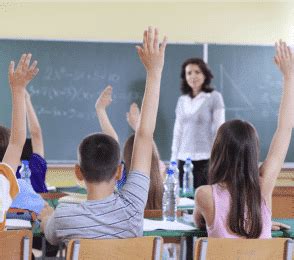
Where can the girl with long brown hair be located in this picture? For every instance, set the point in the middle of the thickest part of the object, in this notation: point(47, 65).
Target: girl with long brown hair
point(237, 201)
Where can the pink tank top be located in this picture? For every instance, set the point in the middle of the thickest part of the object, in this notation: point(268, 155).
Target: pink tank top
point(219, 228)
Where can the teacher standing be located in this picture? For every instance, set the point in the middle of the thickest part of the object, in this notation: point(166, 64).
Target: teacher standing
point(199, 113)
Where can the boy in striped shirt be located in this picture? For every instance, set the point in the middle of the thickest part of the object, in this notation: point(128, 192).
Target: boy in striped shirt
point(107, 214)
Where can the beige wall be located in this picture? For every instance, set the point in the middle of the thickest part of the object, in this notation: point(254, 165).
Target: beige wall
point(256, 23)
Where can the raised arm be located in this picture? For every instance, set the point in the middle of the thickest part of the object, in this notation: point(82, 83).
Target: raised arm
point(19, 78)
point(103, 101)
point(34, 127)
point(133, 116)
point(152, 57)
point(273, 163)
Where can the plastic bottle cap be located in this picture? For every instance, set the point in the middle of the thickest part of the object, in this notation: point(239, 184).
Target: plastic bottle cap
point(174, 163)
point(25, 162)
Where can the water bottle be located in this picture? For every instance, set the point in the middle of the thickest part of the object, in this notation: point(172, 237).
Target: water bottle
point(188, 178)
point(174, 166)
point(25, 172)
point(120, 183)
point(169, 200)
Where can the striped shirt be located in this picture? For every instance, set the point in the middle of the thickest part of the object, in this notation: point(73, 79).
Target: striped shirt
point(119, 215)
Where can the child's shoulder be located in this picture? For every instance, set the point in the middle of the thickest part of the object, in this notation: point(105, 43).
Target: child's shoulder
point(37, 160)
point(203, 194)
point(5, 169)
point(203, 191)
point(204, 198)
point(7, 172)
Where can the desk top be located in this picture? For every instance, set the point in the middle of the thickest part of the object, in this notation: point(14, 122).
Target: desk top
point(289, 221)
point(197, 232)
point(202, 233)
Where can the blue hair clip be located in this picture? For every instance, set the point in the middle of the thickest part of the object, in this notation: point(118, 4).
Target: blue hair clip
point(120, 183)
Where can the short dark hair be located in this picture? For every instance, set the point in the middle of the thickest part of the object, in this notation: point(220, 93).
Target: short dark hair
point(99, 156)
point(4, 140)
point(185, 88)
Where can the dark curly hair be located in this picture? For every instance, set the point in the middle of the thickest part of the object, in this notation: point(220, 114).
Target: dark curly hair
point(185, 88)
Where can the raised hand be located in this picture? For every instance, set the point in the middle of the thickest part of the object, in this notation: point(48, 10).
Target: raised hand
point(151, 54)
point(284, 59)
point(20, 76)
point(105, 99)
point(133, 116)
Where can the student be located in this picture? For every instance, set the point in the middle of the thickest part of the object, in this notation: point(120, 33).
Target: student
point(28, 199)
point(34, 150)
point(237, 203)
point(156, 182)
point(19, 78)
point(106, 214)
point(133, 117)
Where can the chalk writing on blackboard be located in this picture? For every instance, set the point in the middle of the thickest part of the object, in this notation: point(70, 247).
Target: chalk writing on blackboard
point(62, 73)
point(78, 94)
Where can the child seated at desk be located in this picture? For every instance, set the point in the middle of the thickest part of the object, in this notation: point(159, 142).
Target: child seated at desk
point(155, 193)
point(237, 203)
point(107, 214)
point(33, 150)
point(19, 78)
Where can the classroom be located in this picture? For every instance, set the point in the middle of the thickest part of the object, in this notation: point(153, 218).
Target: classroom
point(82, 48)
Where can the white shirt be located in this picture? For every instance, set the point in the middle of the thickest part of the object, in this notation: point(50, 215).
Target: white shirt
point(8, 190)
point(196, 124)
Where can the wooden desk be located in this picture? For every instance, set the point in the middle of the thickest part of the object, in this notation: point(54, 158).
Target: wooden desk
point(283, 195)
point(283, 202)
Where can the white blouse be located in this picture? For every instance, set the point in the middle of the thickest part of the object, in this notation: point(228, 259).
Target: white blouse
point(196, 124)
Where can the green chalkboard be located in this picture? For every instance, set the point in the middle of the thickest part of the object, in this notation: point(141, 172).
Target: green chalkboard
point(251, 86)
point(72, 74)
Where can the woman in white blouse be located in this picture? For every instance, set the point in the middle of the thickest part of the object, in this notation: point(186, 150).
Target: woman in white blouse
point(199, 113)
